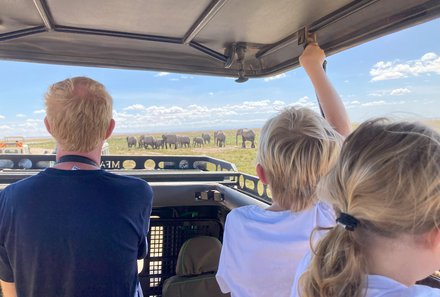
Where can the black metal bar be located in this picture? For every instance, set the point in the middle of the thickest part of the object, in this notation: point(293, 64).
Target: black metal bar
point(324, 66)
point(415, 15)
point(331, 18)
point(339, 14)
point(387, 25)
point(22, 33)
point(45, 15)
point(203, 20)
point(277, 46)
point(145, 37)
point(152, 176)
point(182, 163)
point(208, 51)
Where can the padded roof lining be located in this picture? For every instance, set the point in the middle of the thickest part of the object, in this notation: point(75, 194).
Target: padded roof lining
point(195, 36)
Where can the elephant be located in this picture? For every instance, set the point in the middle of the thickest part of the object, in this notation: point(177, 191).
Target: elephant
point(246, 135)
point(141, 141)
point(215, 136)
point(158, 143)
point(220, 139)
point(184, 141)
point(170, 139)
point(206, 138)
point(131, 141)
point(148, 141)
point(198, 141)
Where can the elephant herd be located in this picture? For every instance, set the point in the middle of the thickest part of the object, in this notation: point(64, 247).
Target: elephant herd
point(178, 141)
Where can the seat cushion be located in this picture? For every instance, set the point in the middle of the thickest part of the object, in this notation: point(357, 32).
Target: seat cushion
point(204, 285)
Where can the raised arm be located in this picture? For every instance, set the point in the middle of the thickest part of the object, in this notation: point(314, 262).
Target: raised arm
point(8, 289)
point(334, 111)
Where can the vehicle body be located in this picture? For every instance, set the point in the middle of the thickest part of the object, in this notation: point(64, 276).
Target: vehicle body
point(237, 38)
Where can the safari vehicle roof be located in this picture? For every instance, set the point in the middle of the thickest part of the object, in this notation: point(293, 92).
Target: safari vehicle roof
point(253, 38)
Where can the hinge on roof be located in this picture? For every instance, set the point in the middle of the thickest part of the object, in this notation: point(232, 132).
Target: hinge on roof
point(305, 37)
point(236, 53)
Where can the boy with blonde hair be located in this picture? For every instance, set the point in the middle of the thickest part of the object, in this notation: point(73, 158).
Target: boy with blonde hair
point(74, 229)
point(262, 247)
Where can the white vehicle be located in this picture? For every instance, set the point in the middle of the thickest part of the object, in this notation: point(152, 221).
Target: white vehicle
point(14, 145)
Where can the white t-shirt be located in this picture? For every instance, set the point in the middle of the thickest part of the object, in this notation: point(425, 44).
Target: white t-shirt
point(262, 248)
point(378, 285)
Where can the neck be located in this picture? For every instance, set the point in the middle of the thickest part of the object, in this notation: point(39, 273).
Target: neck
point(275, 207)
point(405, 258)
point(94, 155)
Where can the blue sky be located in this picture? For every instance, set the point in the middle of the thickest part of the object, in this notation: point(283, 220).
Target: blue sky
point(397, 75)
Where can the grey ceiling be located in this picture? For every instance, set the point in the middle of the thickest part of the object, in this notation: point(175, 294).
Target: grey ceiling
point(195, 36)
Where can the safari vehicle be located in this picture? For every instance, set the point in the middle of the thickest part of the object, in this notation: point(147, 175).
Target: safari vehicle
point(14, 145)
point(243, 39)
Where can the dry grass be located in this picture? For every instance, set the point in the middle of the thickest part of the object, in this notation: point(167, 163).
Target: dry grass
point(244, 159)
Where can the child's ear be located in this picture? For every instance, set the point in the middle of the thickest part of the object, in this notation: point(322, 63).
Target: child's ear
point(433, 240)
point(46, 123)
point(261, 174)
point(110, 129)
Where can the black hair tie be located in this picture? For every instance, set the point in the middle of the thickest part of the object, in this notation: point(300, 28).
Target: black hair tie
point(348, 221)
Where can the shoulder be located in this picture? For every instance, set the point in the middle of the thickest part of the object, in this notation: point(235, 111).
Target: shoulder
point(133, 183)
point(19, 186)
point(244, 213)
point(419, 290)
point(381, 286)
point(325, 214)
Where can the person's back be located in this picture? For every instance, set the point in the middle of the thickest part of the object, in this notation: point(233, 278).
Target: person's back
point(65, 232)
point(261, 247)
point(74, 229)
point(385, 189)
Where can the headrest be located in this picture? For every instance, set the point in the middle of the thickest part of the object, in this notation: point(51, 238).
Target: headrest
point(198, 255)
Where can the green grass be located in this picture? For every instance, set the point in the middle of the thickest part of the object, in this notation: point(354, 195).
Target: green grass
point(244, 159)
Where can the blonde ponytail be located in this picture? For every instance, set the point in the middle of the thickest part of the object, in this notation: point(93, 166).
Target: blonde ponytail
point(384, 170)
point(337, 268)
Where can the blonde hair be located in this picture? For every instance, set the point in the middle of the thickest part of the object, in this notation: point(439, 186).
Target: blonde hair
point(388, 178)
point(296, 148)
point(79, 111)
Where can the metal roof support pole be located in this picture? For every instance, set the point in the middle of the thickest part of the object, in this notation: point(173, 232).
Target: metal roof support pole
point(203, 20)
point(43, 11)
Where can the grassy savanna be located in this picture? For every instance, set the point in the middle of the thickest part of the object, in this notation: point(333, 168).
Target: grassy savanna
point(244, 159)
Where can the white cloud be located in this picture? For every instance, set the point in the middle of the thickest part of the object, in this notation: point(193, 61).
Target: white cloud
point(279, 76)
point(400, 91)
point(39, 111)
point(377, 94)
point(394, 92)
point(211, 93)
point(2, 117)
point(375, 103)
point(135, 107)
point(428, 64)
point(162, 74)
point(159, 118)
point(20, 115)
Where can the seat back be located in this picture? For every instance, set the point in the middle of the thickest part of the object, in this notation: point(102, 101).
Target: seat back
point(196, 267)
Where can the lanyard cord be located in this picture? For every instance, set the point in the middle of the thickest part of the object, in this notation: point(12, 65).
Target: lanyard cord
point(77, 159)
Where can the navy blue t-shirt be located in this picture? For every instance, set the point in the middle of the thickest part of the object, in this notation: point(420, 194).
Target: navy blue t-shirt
point(74, 233)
